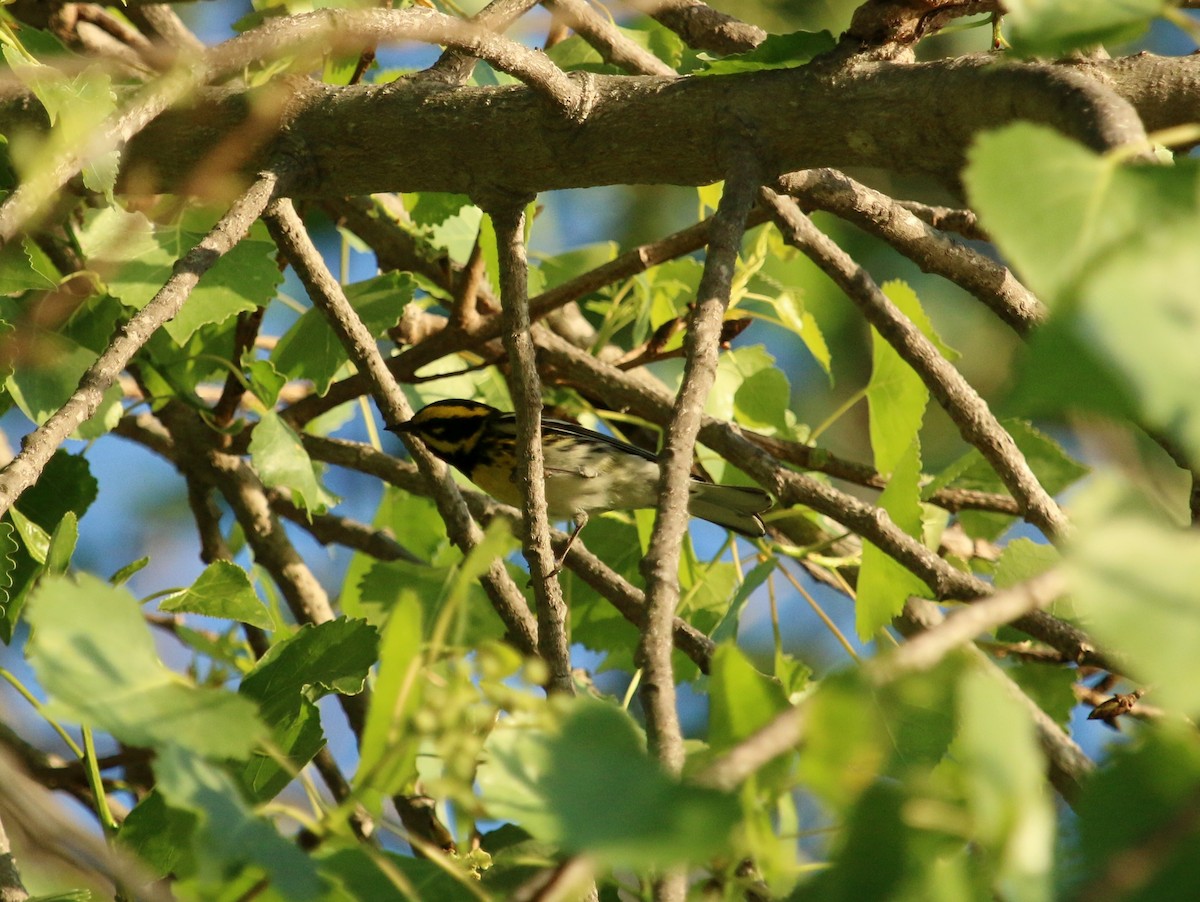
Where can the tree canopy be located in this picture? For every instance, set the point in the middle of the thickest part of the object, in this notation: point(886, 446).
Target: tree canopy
point(924, 270)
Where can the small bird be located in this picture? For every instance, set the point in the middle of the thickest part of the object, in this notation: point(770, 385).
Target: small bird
point(585, 471)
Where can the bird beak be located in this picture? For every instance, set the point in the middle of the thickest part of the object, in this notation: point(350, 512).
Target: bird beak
point(401, 428)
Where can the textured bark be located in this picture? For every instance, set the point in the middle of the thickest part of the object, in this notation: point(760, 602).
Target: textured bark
point(418, 136)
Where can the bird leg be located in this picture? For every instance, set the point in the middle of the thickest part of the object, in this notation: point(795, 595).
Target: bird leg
point(580, 520)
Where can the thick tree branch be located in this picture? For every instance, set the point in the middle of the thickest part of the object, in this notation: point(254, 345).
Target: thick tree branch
point(303, 37)
point(865, 114)
point(39, 446)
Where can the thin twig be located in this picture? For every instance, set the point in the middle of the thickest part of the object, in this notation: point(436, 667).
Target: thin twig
point(703, 27)
point(603, 35)
point(926, 649)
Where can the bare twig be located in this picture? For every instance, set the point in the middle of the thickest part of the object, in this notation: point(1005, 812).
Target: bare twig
point(703, 27)
point(456, 64)
point(600, 32)
point(927, 648)
point(39, 446)
point(525, 387)
point(875, 212)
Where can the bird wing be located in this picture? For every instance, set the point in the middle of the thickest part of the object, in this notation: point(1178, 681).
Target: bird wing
point(509, 422)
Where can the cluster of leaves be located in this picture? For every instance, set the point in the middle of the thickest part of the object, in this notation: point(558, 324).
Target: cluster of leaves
point(930, 786)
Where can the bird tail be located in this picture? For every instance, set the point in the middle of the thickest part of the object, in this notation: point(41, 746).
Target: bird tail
point(735, 507)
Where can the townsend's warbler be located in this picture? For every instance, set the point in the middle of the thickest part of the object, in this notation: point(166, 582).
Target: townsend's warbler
point(585, 471)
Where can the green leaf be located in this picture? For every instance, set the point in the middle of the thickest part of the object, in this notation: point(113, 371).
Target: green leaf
point(62, 544)
point(742, 700)
point(223, 590)
point(1050, 686)
point(431, 208)
point(365, 875)
point(388, 756)
point(228, 834)
point(310, 349)
point(288, 680)
point(1134, 578)
point(94, 655)
point(141, 257)
point(1004, 785)
point(41, 387)
point(593, 789)
point(281, 461)
point(1053, 467)
point(1023, 559)
point(18, 272)
point(896, 396)
point(575, 262)
point(1147, 790)
point(843, 752)
point(317, 659)
point(159, 835)
point(884, 584)
point(871, 857)
point(66, 485)
point(122, 576)
point(1148, 347)
point(1055, 27)
point(763, 401)
point(8, 566)
point(33, 537)
point(1070, 207)
point(726, 630)
point(778, 51)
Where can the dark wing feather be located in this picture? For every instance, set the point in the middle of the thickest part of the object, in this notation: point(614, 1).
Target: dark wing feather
point(509, 423)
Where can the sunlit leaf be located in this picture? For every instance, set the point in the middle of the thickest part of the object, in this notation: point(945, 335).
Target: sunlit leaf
point(222, 590)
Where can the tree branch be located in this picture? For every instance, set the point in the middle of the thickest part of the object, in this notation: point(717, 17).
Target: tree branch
point(11, 887)
point(801, 118)
point(966, 408)
point(39, 446)
point(874, 212)
point(661, 564)
point(525, 387)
